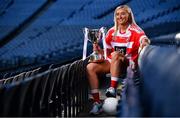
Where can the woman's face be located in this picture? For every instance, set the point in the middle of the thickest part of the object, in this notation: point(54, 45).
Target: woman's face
point(122, 16)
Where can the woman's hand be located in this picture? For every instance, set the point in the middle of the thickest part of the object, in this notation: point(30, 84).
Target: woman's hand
point(96, 47)
point(119, 55)
point(144, 42)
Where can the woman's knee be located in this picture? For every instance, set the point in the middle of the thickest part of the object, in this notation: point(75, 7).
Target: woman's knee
point(91, 67)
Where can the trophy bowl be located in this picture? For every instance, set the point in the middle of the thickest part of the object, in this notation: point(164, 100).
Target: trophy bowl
point(94, 36)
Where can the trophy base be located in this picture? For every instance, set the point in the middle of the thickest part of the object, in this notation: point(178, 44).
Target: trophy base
point(96, 58)
point(96, 61)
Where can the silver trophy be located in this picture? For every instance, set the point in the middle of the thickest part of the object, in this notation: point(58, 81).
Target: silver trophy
point(95, 36)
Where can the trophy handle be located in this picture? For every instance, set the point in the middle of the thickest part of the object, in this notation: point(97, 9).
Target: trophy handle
point(85, 31)
point(104, 30)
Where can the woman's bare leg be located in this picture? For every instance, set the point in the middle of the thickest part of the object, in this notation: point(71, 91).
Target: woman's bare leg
point(117, 69)
point(94, 69)
point(118, 64)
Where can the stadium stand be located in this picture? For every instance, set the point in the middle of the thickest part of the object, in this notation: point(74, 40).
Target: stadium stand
point(4, 5)
point(41, 71)
point(18, 11)
point(47, 94)
point(41, 38)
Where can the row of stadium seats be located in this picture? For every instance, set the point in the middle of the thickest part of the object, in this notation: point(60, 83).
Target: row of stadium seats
point(157, 91)
point(159, 68)
point(154, 18)
point(52, 93)
point(19, 11)
point(172, 17)
point(4, 5)
point(130, 102)
point(43, 39)
point(19, 77)
point(157, 11)
point(48, 45)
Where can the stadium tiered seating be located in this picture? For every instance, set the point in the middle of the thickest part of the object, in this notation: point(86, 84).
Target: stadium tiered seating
point(49, 38)
point(55, 41)
point(94, 19)
point(4, 5)
point(17, 14)
point(45, 40)
point(50, 93)
point(150, 13)
point(19, 77)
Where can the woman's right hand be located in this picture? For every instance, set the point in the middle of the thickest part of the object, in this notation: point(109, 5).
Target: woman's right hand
point(96, 47)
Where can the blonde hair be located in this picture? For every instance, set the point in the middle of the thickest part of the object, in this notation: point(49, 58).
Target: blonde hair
point(130, 20)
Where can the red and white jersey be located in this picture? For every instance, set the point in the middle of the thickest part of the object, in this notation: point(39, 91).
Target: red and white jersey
point(130, 40)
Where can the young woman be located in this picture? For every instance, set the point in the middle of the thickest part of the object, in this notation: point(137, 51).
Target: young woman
point(123, 41)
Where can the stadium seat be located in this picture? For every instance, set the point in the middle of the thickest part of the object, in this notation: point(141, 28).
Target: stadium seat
point(160, 81)
point(51, 100)
point(23, 10)
point(10, 100)
point(2, 82)
point(8, 80)
point(19, 77)
point(38, 92)
point(26, 92)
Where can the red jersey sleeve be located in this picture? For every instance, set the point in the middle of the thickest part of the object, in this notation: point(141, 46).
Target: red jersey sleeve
point(139, 33)
point(137, 36)
point(140, 36)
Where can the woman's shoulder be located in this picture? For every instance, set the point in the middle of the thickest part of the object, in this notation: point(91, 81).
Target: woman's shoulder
point(111, 30)
point(135, 28)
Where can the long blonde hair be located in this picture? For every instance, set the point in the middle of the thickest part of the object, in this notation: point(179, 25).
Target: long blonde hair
point(130, 20)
